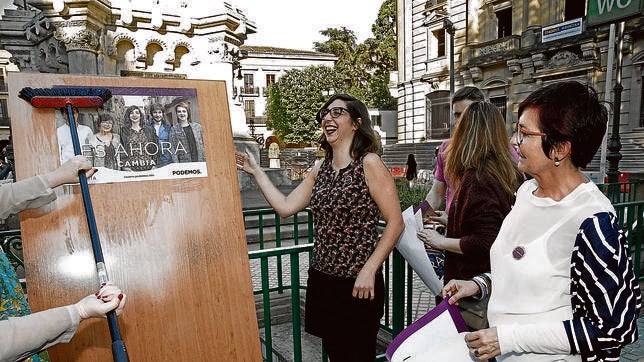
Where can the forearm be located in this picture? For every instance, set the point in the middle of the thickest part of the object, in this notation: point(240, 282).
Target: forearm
point(32, 192)
point(23, 336)
point(545, 338)
point(385, 245)
point(436, 195)
point(452, 244)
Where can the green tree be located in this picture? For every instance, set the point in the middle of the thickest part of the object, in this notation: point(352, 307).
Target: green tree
point(361, 70)
point(365, 67)
point(294, 100)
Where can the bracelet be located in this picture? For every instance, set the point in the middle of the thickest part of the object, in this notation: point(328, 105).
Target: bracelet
point(482, 282)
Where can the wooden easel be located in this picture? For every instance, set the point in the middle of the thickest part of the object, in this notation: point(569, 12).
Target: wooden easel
point(176, 247)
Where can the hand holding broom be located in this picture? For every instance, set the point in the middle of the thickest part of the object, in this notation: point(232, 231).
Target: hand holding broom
point(68, 98)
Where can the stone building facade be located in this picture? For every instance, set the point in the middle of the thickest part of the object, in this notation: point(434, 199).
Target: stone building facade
point(145, 38)
point(263, 66)
point(501, 47)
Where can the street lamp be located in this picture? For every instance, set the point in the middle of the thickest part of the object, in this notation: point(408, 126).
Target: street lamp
point(449, 28)
point(237, 56)
point(614, 144)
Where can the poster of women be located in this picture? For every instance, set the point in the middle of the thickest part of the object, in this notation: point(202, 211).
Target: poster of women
point(139, 134)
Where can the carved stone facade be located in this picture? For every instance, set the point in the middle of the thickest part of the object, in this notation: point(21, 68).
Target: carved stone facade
point(129, 38)
point(507, 68)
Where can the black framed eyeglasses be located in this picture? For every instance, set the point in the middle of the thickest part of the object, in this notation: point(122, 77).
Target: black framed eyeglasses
point(335, 113)
point(522, 132)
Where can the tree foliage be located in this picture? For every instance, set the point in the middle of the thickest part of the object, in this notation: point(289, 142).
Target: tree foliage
point(294, 100)
point(365, 67)
point(361, 70)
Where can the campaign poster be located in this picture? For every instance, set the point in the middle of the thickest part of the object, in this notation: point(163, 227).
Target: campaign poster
point(139, 134)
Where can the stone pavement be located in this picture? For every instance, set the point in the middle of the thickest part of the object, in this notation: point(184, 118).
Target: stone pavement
point(422, 299)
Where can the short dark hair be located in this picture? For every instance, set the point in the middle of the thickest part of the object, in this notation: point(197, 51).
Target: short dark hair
point(365, 139)
point(102, 117)
point(569, 112)
point(156, 107)
point(470, 93)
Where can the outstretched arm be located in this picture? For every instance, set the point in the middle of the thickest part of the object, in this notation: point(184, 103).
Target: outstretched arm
point(37, 191)
point(285, 206)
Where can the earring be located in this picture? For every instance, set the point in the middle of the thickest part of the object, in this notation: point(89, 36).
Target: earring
point(557, 163)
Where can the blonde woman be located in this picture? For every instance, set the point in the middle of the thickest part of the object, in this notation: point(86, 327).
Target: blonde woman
point(485, 177)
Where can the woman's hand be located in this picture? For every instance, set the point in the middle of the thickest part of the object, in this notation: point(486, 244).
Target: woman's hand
point(432, 239)
point(439, 218)
point(108, 298)
point(364, 285)
point(457, 289)
point(67, 173)
point(246, 162)
point(483, 344)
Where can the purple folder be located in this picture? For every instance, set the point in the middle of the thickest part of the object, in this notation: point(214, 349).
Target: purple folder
point(433, 337)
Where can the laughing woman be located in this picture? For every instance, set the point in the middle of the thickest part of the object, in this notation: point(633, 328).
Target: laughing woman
point(348, 191)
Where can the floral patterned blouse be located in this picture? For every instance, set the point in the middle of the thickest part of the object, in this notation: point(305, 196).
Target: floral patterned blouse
point(13, 302)
point(345, 220)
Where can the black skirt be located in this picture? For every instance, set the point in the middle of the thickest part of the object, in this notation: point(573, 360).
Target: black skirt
point(332, 310)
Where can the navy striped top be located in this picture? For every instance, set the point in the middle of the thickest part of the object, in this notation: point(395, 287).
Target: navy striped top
point(605, 293)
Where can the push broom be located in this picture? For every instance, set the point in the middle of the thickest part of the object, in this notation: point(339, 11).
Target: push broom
point(68, 98)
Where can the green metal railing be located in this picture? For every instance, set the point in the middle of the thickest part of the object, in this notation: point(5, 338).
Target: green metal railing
point(274, 282)
point(630, 216)
point(283, 248)
point(620, 192)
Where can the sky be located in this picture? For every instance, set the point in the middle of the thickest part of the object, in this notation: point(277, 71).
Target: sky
point(296, 24)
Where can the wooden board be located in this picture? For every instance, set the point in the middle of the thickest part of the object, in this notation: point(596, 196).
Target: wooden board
point(177, 247)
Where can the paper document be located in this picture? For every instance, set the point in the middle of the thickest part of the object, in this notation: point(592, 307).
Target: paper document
point(439, 335)
point(413, 250)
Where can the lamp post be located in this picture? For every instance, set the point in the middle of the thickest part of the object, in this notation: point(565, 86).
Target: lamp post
point(237, 56)
point(614, 144)
point(449, 28)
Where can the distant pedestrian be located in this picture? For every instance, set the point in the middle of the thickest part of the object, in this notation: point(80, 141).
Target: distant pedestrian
point(348, 191)
point(411, 169)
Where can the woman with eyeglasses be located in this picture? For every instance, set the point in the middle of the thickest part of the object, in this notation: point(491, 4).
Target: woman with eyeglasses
point(348, 192)
point(562, 283)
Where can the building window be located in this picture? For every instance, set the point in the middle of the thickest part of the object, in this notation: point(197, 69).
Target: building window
point(4, 113)
point(504, 21)
point(439, 35)
point(574, 9)
point(270, 79)
point(376, 120)
point(3, 83)
point(249, 110)
point(249, 81)
point(439, 117)
point(501, 103)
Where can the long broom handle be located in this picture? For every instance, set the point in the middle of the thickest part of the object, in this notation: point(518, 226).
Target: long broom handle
point(119, 353)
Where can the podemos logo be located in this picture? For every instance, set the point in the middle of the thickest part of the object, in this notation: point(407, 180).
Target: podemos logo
point(186, 172)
